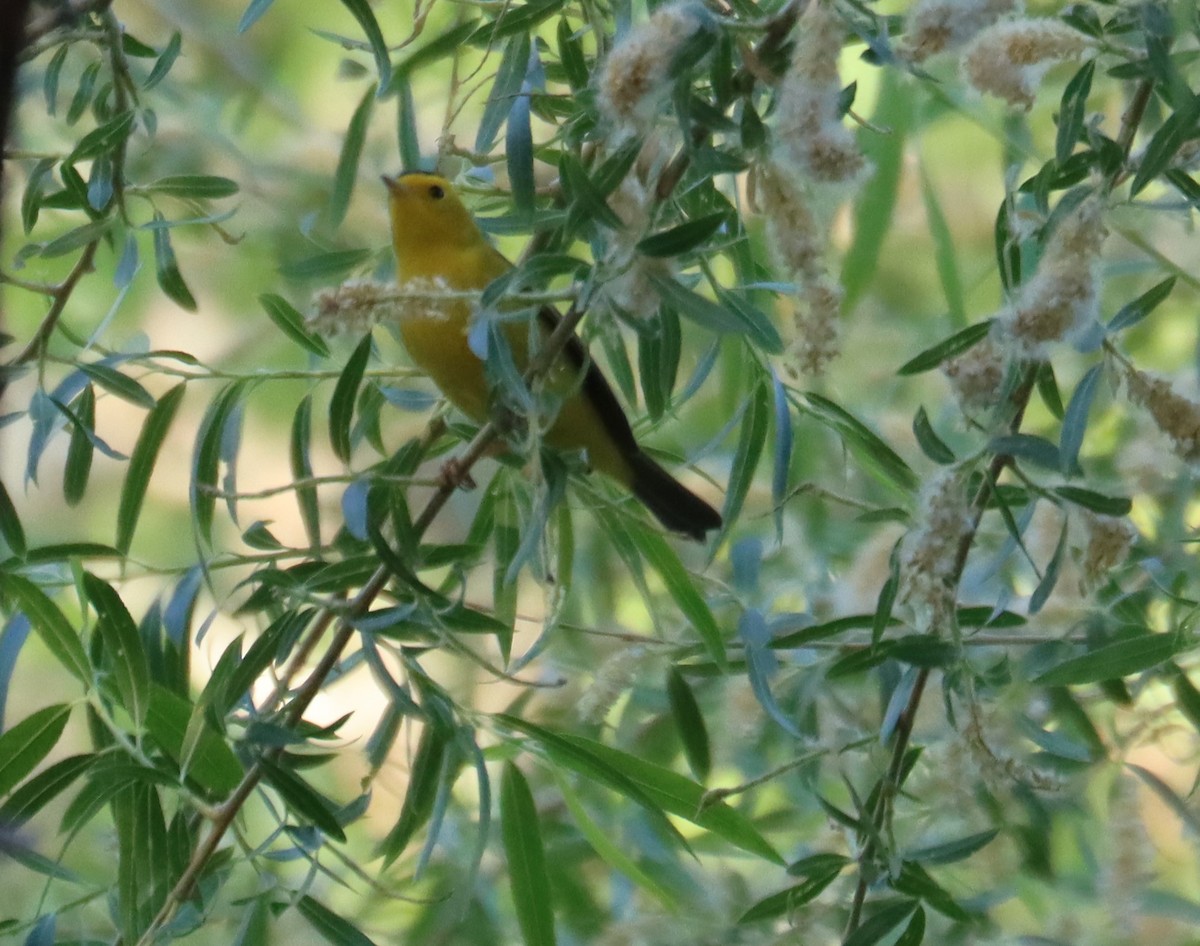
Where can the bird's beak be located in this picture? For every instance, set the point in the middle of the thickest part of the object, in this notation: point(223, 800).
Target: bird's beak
point(392, 183)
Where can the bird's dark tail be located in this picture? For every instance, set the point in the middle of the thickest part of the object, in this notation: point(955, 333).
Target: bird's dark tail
point(673, 504)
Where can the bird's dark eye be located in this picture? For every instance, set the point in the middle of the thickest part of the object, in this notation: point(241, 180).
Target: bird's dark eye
point(436, 191)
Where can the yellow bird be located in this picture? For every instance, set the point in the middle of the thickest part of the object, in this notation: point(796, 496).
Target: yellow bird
point(435, 238)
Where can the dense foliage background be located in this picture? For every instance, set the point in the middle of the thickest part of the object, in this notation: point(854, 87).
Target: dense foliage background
point(908, 289)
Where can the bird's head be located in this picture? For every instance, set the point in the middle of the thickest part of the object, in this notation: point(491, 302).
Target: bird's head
point(427, 216)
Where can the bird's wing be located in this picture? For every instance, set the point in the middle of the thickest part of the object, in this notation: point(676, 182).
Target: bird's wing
point(595, 388)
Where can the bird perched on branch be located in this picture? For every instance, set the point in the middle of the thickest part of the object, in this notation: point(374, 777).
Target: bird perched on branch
point(437, 240)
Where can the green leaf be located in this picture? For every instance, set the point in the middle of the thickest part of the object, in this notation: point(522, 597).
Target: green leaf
point(1074, 425)
point(122, 645)
point(141, 464)
point(683, 237)
point(1160, 788)
point(930, 443)
point(119, 384)
point(166, 268)
point(786, 902)
point(253, 12)
point(325, 266)
point(878, 456)
point(1133, 312)
point(43, 788)
point(877, 198)
point(103, 139)
point(505, 87)
point(681, 796)
point(347, 166)
point(949, 852)
point(1097, 502)
point(206, 756)
point(1050, 578)
point(944, 250)
point(444, 44)
point(57, 633)
point(341, 406)
point(881, 923)
point(946, 349)
point(682, 590)
point(1073, 110)
point(528, 877)
point(289, 321)
point(335, 929)
point(609, 847)
point(1112, 661)
point(78, 467)
point(74, 239)
point(165, 61)
point(207, 456)
point(689, 723)
point(1172, 134)
point(194, 186)
point(915, 881)
point(361, 10)
point(28, 742)
point(755, 323)
point(302, 798)
point(302, 471)
point(10, 524)
point(751, 441)
point(31, 199)
point(425, 775)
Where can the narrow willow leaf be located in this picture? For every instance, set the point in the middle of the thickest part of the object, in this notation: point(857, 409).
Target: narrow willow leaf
point(946, 349)
point(165, 61)
point(518, 149)
point(207, 456)
point(1074, 425)
point(751, 440)
point(950, 852)
point(883, 922)
point(43, 788)
point(784, 439)
point(945, 253)
point(341, 406)
point(103, 139)
point(122, 645)
point(570, 55)
point(166, 268)
point(28, 742)
point(526, 855)
point(57, 633)
point(253, 12)
point(302, 471)
point(683, 237)
point(31, 199)
point(914, 933)
point(683, 592)
point(194, 186)
point(347, 167)
point(1112, 661)
point(291, 323)
point(877, 199)
point(915, 881)
point(786, 902)
point(879, 457)
point(51, 77)
point(302, 798)
point(1133, 312)
point(681, 796)
point(1050, 578)
point(141, 464)
point(325, 266)
point(441, 46)
point(204, 756)
point(689, 723)
point(333, 928)
point(119, 384)
point(424, 778)
point(81, 450)
point(83, 92)
point(1160, 788)
point(505, 87)
point(1096, 502)
point(1172, 134)
point(11, 530)
point(362, 12)
point(930, 443)
point(1073, 110)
